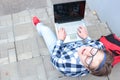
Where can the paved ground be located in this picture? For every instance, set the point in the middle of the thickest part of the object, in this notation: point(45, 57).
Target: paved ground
point(23, 54)
point(13, 6)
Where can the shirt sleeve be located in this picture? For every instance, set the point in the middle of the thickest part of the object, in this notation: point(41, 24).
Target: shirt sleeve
point(56, 56)
point(58, 48)
point(94, 43)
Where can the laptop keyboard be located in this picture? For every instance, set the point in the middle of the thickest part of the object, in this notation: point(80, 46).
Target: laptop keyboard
point(73, 36)
point(71, 29)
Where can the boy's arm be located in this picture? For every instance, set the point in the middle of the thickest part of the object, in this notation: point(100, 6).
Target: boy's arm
point(83, 33)
point(93, 43)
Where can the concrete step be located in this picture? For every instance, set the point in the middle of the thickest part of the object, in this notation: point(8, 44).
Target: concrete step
point(97, 30)
point(30, 69)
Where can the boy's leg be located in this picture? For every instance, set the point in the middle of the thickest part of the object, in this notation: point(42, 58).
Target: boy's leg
point(48, 36)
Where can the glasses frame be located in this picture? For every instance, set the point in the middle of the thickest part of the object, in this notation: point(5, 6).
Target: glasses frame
point(92, 56)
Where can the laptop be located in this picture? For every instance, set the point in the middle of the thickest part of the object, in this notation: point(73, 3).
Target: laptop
point(69, 16)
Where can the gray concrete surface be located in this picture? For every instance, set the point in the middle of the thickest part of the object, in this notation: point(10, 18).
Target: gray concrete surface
point(14, 6)
point(23, 53)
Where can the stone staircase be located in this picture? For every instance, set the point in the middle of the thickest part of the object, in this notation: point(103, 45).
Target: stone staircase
point(23, 53)
point(19, 39)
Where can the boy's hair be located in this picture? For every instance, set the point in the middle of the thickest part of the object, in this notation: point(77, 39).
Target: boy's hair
point(107, 67)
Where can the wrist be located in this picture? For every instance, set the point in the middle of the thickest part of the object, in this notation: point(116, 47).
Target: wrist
point(85, 37)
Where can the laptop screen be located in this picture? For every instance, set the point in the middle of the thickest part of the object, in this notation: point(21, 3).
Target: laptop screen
point(67, 12)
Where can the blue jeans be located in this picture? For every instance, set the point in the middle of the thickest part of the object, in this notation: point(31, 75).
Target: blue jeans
point(48, 36)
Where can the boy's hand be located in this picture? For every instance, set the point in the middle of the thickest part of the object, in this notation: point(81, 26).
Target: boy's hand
point(61, 34)
point(82, 32)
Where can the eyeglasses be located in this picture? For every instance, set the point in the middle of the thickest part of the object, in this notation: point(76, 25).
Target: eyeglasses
point(89, 59)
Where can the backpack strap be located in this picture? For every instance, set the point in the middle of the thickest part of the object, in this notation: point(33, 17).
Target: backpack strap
point(109, 45)
point(113, 39)
point(116, 60)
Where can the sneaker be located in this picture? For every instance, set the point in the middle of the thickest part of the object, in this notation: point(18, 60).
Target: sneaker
point(35, 20)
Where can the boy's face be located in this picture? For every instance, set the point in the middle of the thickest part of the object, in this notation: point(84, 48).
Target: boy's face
point(90, 57)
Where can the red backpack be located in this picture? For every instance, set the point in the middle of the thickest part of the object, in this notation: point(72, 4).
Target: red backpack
point(112, 44)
